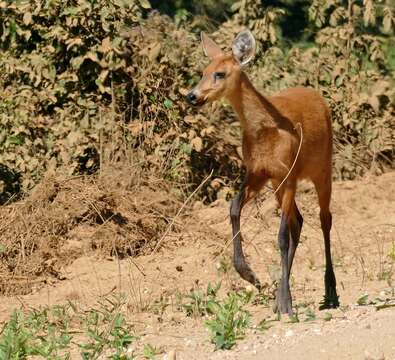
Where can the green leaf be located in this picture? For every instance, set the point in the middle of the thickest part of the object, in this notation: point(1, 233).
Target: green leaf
point(328, 316)
point(363, 300)
point(15, 140)
point(145, 4)
point(168, 103)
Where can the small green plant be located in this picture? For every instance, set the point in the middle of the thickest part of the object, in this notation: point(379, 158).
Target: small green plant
point(385, 274)
point(199, 303)
point(224, 266)
point(391, 254)
point(103, 334)
point(246, 296)
point(310, 315)
point(363, 300)
point(41, 333)
point(14, 342)
point(294, 318)
point(328, 316)
point(229, 321)
point(45, 333)
point(262, 298)
point(150, 351)
point(392, 287)
point(159, 306)
point(264, 325)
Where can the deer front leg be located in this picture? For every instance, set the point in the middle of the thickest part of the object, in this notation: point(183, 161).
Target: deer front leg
point(249, 189)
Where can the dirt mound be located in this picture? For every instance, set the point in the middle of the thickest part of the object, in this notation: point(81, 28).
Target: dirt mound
point(119, 212)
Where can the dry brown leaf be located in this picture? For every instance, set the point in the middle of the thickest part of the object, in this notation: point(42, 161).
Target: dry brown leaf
point(207, 131)
point(152, 51)
point(374, 103)
point(106, 45)
point(27, 18)
point(197, 144)
point(190, 119)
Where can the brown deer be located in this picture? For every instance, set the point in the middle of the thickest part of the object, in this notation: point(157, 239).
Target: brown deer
point(285, 138)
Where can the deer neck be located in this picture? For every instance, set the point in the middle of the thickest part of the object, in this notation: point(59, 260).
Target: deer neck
point(252, 108)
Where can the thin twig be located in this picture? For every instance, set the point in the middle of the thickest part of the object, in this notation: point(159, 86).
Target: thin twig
point(180, 210)
point(274, 192)
point(137, 266)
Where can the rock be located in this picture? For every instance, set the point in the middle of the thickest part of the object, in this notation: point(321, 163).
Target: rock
point(317, 331)
point(171, 355)
point(289, 333)
point(369, 356)
point(249, 288)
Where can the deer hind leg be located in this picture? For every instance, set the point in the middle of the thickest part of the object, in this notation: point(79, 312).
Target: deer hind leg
point(250, 187)
point(288, 239)
point(295, 226)
point(324, 189)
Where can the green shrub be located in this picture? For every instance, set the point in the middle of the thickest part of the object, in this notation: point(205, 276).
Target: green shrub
point(229, 321)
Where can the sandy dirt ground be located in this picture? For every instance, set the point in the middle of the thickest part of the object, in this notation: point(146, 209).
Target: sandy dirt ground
point(363, 237)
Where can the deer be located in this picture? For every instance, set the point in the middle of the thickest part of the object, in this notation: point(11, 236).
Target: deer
point(286, 137)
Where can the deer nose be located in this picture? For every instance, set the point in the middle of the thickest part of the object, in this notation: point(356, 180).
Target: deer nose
point(192, 99)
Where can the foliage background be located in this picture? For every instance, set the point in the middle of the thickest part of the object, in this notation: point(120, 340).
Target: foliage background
point(85, 84)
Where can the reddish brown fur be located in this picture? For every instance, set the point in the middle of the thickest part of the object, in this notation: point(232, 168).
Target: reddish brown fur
point(270, 125)
point(273, 130)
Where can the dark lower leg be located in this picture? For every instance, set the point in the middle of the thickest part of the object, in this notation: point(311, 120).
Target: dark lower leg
point(284, 300)
point(295, 227)
point(331, 299)
point(239, 260)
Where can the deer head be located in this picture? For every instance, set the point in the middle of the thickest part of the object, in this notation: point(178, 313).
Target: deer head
point(222, 76)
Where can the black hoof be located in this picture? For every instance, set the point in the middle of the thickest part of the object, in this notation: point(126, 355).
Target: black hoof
point(329, 303)
point(247, 274)
point(258, 285)
point(285, 308)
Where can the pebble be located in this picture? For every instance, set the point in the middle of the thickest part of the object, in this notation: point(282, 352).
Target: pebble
point(171, 355)
point(289, 333)
point(317, 331)
point(383, 294)
point(188, 342)
point(249, 288)
point(369, 356)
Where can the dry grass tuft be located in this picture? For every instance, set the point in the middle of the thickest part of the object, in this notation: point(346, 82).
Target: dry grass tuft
point(117, 213)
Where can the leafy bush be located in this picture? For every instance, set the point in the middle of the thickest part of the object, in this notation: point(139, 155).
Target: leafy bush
point(58, 62)
point(80, 86)
point(87, 82)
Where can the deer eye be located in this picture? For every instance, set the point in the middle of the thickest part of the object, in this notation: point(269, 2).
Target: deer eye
point(219, 75)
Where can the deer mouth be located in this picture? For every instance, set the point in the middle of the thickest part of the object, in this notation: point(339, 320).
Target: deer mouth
point(200, 102)
point(194, 100)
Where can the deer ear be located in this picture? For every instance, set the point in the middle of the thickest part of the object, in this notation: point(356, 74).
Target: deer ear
point(243, 47)
point(210, 48)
